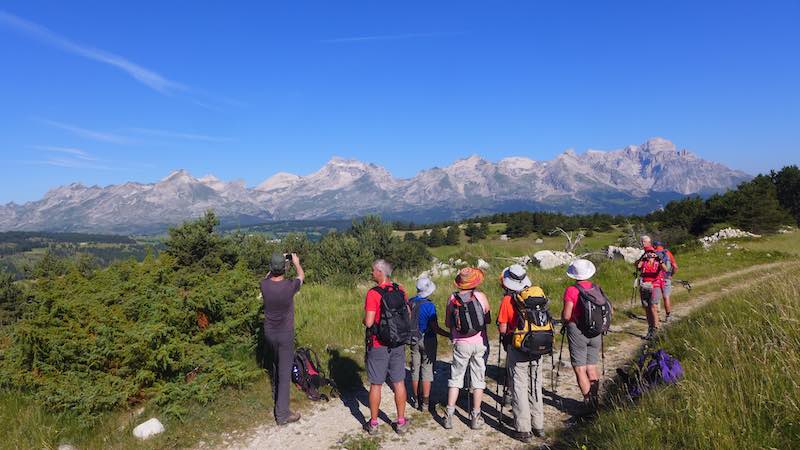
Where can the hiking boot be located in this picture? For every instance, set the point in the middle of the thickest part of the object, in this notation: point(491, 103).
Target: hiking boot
point(507, 397)
point(402, 429)
point(370, 428)
point(292, 417)
point(650, 334)
point(448, 420)
point(476, 420)
point(538, 432)
point(522, 436)
point(424, 405)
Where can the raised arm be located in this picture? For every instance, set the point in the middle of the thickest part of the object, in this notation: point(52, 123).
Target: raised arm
point(298, 268)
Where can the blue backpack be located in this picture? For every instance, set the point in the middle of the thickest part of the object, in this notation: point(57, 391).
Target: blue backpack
point(653, 369)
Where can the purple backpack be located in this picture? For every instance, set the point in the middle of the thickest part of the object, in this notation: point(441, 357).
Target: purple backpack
point(654, 369)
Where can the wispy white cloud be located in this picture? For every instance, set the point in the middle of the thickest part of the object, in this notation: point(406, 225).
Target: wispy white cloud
point(388, 37)
point(146, 76)
point(71, 163)
point(179, 135)
point(89, 134)
point(74, 152)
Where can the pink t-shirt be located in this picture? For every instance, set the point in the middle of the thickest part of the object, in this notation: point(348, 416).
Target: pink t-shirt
point(478, 338)
point(571, 295)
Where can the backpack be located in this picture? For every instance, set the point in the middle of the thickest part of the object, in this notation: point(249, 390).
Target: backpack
point(651, 268)
point(308, 377)
point(468, 317)
point(533, 334)
point(394, 327)
point(416, 333)
point(652, 369)
point(666, 260)
point(596, 317)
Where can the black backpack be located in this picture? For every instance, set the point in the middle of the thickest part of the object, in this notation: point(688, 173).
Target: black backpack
point(596, 317)
point(394, 327)
point(308, 376)
point(468, 317)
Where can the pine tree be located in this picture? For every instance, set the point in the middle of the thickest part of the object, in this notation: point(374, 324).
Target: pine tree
point(453, 235)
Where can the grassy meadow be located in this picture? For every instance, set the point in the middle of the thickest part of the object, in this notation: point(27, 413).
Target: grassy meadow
point(329, 321)
point(741, 357)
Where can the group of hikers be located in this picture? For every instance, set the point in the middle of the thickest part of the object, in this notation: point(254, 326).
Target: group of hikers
point(393, 323)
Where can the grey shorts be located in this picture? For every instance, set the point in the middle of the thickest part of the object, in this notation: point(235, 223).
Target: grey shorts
point(423, 355)
point(583, 351)
point(649, 295)
point(666, 289)
point(383, 362)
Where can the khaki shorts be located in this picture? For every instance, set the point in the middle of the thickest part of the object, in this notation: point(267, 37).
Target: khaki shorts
point(468, 356)
point(423, 355)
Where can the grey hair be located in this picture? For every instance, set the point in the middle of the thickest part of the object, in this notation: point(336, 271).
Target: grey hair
point(645, 238)
point(384, 266)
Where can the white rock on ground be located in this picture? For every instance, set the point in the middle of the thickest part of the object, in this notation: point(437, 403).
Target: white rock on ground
point(726, 233)
point(548, 259)
point(148, 429)
point(503, 237)
point(629, 254)
point(523, 260)
point(483, 265)
point(539, 241)
point(67, 447)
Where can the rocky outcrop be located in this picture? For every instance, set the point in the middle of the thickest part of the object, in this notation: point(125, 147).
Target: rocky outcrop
point(629, 254)
point(726, 233)
point(549, 259)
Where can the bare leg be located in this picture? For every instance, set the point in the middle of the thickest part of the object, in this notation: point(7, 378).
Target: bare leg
point(592, 373)
point(654, 315)
point(426, 389)
point(374, 401)
point(583, 380)
point(452, 396)
point(415, 389)
point(400, 398)
point(667, 305)
point(477, 398)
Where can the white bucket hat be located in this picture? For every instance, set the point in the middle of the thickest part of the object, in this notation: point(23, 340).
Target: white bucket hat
point(515, 278)
point(581, 269)
point(425, 287)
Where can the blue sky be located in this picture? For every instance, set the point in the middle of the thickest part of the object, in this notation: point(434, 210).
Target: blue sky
point(105, 92)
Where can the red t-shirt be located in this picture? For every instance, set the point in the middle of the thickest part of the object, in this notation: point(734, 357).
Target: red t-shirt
point(507, 313)
point(571, 295)
point(652, 272)
point(373, 303)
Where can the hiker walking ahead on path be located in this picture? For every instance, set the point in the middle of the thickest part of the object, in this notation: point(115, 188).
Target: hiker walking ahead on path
point(387, 318)
point(651, 269)
point(524, 369)
point(666, 277)
point(585, 320)
point(423, 352)
point(278, 294)
point(467, 316)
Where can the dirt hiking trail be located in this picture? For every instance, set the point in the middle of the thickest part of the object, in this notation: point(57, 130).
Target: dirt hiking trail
point(339, 422)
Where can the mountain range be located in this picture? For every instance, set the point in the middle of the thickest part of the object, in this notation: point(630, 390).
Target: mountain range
point(634, 179)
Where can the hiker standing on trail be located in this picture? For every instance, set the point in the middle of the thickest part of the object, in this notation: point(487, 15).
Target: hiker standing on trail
point(278, 294)
point(651, 269)
point(513, 279)
point(423, 352)
point(467, 315)
point(585, 344)
point(524, 371)
point(387, 318)
point(666, 277)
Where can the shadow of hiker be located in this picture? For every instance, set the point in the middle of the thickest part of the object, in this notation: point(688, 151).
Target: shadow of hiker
point(346, 373)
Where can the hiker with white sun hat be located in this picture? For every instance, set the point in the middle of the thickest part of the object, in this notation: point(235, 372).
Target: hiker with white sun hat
point(586, 317)
point(423, 348)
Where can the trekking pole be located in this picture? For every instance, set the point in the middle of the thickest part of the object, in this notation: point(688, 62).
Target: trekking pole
point(560, 353)
point(603, 352)
point(499, 403)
